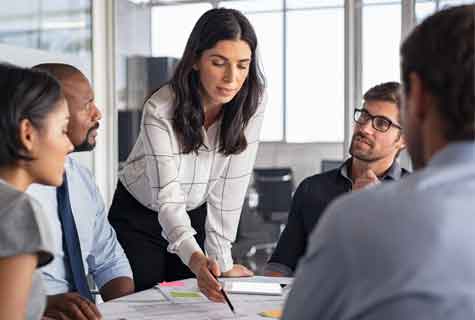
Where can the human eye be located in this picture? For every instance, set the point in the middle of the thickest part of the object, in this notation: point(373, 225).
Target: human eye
point(365, 115)
point(218, 62)
point(243, 66)
point(381, 122)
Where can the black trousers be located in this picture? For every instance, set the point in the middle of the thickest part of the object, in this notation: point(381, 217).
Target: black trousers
point(140, 234)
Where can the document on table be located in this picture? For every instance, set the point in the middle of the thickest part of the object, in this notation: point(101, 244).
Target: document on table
point(186, 293)
point(196, 311)
point(280, 280)
point(152, 304)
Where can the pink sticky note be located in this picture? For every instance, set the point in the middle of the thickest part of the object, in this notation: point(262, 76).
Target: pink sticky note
point(172, 284)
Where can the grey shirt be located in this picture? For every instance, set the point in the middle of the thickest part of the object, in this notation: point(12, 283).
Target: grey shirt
point(23, 230)
point(404, 250)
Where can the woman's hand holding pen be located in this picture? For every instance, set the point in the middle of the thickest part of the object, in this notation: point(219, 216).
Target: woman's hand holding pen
point(202, 267)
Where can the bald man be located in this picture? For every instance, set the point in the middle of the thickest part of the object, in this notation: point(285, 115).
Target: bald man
point(85, 241)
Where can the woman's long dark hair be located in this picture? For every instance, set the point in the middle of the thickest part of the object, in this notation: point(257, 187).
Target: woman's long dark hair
point(213, 26)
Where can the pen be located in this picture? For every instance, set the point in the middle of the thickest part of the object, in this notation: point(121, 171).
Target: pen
point(224, 295)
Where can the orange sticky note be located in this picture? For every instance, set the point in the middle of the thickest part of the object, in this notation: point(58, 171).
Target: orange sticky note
point(275, 314)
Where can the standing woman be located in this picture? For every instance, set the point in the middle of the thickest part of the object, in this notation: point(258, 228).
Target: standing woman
point(33, 123)
point(193, 159)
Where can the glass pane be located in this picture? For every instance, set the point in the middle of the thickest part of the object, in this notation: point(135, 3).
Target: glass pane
point(380, 2)
point(253, 6)
point(172, 25)
point(315, 76)
point(451, 3)
point(306, 4)
point(424, 8)
point(52, 25)
point(269, 30)
point(381, 40)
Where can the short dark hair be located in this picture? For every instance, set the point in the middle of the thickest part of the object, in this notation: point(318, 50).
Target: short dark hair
point(387, 91)
point(441, 52)
point(213, 26)
point(24, 94)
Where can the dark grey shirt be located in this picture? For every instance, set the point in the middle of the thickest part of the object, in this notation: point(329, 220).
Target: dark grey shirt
point(23, 230)
point(404, 250)
point(310, 200)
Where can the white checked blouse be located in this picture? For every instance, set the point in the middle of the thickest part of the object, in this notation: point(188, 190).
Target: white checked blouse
point(169, 182)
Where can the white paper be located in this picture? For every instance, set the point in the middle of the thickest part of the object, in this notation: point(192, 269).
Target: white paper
point(151, 305)
point(280, 280)
point(259, 288)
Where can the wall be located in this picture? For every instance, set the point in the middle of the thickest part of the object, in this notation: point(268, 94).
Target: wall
point(303, 158)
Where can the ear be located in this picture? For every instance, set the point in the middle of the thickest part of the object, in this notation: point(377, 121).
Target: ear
point(195, 67)
point(401, 142)
point(28, 135)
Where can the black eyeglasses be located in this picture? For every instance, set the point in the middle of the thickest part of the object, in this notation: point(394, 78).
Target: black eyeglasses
point(380, 123)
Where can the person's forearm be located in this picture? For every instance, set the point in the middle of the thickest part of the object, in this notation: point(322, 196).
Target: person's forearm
point(117, 288)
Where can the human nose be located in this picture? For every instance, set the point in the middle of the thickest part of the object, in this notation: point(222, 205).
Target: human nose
point(96, 114)
point(230, 74)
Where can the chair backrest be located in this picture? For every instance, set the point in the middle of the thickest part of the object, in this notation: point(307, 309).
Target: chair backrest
point(327, 165)
point(274, 186)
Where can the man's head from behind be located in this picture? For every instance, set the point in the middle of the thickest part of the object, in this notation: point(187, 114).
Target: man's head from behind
point(377, 133)
point(437, 66)
point(85, 115)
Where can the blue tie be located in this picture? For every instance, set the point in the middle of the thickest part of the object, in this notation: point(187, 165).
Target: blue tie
point(71, 245)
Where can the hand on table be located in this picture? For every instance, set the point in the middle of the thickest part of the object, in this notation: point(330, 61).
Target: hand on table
point(238, 270)
point(70, 306)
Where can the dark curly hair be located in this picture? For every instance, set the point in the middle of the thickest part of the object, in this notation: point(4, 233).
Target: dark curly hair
point(24, 94)
point(213, 26)
point(441, 52)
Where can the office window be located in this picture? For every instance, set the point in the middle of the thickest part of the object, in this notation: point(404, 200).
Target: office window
point(381, 41)
point(52, 25)
point(266, 16)
point(308, 4)
point(424, 8)
point(172, 25)
point(315, 72)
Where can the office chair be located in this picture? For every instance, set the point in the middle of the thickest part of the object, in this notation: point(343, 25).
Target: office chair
point(327, 165)
point(274, 187)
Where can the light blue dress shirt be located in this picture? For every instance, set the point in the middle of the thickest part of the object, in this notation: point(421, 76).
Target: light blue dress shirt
point(103, 257)
point(404, 250)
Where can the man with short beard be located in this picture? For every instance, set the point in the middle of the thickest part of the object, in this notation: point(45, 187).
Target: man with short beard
point(85, 242)
point(376, 143)
point(406, 250)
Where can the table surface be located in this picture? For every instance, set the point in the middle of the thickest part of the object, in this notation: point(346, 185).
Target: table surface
point(156, 303)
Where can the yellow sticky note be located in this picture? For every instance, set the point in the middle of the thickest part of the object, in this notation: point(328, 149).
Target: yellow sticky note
point(275, 314)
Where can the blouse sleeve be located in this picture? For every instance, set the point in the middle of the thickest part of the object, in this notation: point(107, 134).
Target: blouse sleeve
point(162, 173)
point(24, 230)
point(227, 196)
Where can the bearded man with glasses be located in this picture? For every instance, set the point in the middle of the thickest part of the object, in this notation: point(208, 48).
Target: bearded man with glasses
point(376, 143)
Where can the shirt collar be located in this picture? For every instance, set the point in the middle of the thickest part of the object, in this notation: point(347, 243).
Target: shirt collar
point(393, 173)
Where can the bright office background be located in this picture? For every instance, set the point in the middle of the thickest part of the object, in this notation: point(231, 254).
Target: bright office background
point(302, 53)
point(318, 56)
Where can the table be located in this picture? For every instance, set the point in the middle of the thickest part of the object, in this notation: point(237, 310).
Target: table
point(154, 304)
